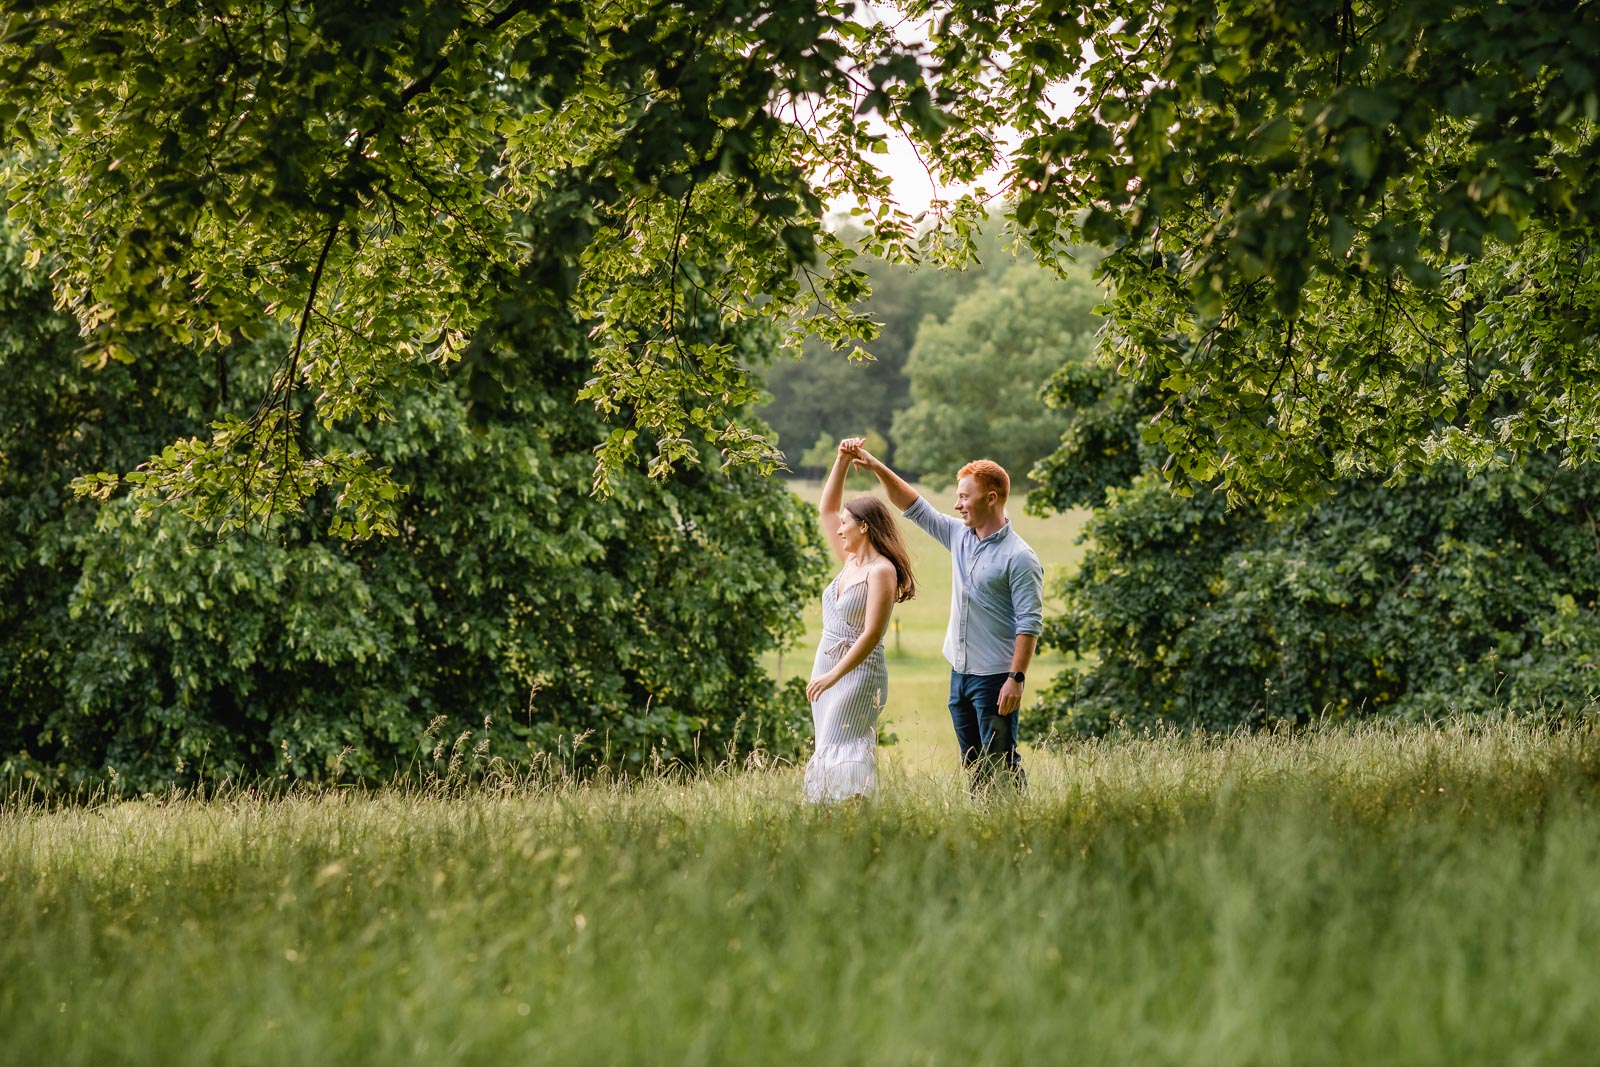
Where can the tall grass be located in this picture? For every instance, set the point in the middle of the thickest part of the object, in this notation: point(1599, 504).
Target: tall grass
point(1393, 895)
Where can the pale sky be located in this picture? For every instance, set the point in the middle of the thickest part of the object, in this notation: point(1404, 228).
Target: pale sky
point(914, 187)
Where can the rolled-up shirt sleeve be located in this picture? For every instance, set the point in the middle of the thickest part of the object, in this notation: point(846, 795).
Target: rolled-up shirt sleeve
point(937, 525)
point(1027, 593)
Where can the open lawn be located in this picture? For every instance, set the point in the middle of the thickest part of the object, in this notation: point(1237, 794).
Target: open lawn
point(1407, 896)
point(919, 676)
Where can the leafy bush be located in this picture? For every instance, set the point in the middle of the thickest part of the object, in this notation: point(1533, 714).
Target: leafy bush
point(513, 604)
point(1447, 593)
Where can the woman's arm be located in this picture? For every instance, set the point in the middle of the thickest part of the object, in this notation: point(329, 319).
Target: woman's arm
point(880, 605)
point(832, 501)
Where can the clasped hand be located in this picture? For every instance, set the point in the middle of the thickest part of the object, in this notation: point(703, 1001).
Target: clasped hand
point(852, 449)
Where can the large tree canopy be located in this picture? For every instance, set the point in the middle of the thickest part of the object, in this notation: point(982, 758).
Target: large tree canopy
point(1345, 236)
point(1450, 593)
point(401, 183)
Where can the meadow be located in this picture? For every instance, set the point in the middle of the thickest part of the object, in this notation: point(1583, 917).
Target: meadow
point(1372, 895)
point(914, 717)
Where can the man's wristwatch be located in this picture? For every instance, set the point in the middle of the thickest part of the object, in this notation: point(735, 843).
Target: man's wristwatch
point(1017, 676)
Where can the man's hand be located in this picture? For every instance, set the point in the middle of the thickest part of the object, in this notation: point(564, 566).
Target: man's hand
point(1010, 697)
point(864, 459)
point(850, 447)
point(901, 495)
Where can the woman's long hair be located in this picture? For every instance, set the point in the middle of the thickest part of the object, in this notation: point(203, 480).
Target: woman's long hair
point(884, 534)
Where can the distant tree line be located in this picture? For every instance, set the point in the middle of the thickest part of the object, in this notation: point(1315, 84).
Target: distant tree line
point(956, 371)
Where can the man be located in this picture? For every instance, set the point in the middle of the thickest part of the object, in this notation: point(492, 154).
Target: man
point(996, 607)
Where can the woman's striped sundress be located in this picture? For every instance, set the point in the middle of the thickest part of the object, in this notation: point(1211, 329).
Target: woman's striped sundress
point(846, 716)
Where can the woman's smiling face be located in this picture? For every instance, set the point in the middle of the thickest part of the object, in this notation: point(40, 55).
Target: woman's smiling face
point(852, 531)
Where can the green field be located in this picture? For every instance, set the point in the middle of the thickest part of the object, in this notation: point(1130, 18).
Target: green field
point(919, 677)
point(1408, 896)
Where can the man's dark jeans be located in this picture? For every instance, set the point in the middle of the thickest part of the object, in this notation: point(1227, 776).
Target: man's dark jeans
point(988, 739)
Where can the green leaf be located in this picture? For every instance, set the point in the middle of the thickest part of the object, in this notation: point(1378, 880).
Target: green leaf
point(1359, 154)
point(1101, 227)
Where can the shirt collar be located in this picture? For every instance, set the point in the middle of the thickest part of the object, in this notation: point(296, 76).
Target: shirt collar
point(999, 535)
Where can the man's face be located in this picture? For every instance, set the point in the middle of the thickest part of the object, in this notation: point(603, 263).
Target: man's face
point(975, 508)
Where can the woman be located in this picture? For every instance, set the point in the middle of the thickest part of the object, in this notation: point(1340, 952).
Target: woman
point(849, 680)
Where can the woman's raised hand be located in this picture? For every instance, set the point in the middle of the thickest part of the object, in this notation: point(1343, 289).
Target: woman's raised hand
point(857, 451)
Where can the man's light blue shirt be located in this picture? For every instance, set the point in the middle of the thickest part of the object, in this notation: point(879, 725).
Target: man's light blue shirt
point(997, 591)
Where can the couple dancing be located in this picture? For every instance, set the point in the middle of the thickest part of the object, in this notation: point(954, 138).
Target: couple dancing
point(995, 614)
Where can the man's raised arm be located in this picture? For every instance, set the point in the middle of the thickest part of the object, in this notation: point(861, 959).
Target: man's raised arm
point(899, 491)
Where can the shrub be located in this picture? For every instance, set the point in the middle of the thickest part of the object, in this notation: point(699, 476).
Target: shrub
point(1448, 593)
point(513, 602)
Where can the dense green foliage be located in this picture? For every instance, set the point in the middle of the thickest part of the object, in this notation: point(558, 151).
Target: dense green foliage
point(976, 378)
point(385, 179)
point(1345, 237)
point(1453, 594)
point(1448, 593)
point(1413, 896)
point(1348, 241)
point(512, 603)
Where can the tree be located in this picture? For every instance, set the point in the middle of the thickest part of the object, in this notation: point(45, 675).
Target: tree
point(826, 394)
point(1345, 238)
point(511, 606)
point(976, 379)
point(389, 181)
point(1335, 229)
point(1447, 593)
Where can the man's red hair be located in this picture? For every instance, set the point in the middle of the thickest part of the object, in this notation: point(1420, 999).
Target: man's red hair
point(990, 476)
